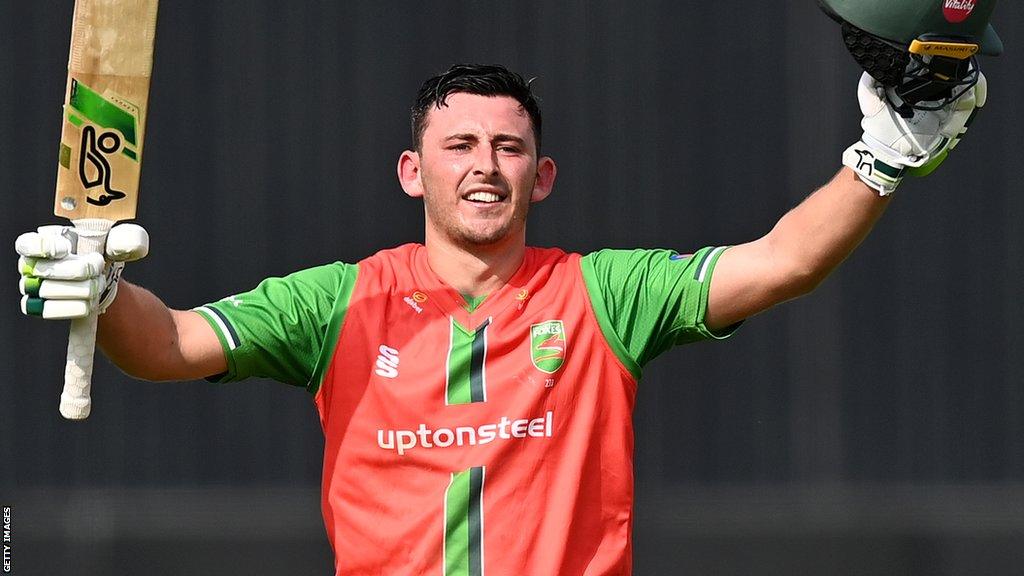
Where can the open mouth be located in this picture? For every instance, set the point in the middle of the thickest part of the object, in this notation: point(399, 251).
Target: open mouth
point(484, 196)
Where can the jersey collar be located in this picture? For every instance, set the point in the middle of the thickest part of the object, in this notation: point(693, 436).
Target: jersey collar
point(451, 303)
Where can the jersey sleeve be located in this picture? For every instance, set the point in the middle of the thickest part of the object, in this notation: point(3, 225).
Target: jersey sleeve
point(646, 301)
point(280, 328)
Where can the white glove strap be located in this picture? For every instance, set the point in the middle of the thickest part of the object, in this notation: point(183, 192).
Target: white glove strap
point(873, 170)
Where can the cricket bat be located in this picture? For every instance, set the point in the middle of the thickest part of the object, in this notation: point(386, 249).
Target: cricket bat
point(101, 148)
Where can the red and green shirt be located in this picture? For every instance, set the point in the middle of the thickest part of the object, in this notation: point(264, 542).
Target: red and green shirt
point(483, 437)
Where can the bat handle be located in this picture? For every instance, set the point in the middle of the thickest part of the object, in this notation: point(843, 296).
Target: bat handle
point(75, 402)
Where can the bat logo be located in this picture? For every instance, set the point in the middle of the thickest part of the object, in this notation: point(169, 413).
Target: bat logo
point(93, 153)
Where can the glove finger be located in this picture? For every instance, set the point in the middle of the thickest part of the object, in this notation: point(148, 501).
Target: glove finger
point(954, 126)
point(981, 95)
point(42, 245)
point(127, 242)
point(71, 267)
point(869, 95)
point(59, 289)
point(912, 138)
point(966, 109)
point(981, 91)
point(54, 309)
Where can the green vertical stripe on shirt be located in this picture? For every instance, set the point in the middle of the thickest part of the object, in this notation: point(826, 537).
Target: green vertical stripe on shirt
point(464, 524)
point(467, 351)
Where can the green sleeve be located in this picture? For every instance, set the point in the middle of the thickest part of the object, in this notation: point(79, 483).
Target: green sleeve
point(283, 328)
point(646, 301)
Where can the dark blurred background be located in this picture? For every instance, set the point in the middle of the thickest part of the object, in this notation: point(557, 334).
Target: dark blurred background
point(875, 427)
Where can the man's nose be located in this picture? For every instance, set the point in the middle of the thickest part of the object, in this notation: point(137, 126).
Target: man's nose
point(486, 160)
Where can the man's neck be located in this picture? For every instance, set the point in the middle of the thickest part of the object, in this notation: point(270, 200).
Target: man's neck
point(475, 271)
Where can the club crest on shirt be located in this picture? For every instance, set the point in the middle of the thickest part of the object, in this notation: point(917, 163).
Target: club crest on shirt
point(547, 345)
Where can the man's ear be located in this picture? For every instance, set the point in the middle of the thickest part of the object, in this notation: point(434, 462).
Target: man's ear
point(409, 174)
point(545, 181)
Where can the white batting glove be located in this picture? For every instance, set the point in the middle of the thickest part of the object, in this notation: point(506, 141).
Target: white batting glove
point(893, 146)
point(58, 284)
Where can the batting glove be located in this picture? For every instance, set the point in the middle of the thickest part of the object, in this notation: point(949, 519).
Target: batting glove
point(58, 284)
point(893, 146)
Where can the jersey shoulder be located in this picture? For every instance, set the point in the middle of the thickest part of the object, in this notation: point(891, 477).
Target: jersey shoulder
point(391, 266)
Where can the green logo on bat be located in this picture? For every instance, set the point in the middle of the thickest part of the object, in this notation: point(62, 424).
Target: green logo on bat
point(112, 127)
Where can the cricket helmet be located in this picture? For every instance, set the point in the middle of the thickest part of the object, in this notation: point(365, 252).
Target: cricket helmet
point(923, 49)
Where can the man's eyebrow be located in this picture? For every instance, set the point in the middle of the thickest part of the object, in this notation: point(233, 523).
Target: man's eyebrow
point(466, 136)
point(509, 138)
point(496, 138)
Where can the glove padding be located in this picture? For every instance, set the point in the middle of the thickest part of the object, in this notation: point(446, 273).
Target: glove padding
point(58, 284)
point(893, 146)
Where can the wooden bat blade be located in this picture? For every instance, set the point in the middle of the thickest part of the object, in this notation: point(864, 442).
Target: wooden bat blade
point(105, 104)
point(101, 148)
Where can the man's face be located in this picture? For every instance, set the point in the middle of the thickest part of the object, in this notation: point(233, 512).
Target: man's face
point(477, 170)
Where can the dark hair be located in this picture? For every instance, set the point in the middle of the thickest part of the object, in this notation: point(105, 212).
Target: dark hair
point(473, 79)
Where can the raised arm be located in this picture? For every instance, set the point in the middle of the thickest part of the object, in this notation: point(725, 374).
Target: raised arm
point(810, 241)
point(803, 248)
point(136, 330)
point(148, 340)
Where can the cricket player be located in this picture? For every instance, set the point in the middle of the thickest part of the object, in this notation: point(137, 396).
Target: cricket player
point(476, 393)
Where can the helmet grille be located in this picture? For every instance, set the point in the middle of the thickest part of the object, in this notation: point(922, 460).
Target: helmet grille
point(882, 60)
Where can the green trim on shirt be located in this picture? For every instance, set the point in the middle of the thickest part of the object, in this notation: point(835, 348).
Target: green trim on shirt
point(338, 311)
point(224, 335)
point(594, 283)
point(473, 302)
point(285, 328)
point(647, 301)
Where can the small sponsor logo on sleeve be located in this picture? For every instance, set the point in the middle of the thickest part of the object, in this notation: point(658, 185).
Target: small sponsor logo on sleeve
point(233, 300)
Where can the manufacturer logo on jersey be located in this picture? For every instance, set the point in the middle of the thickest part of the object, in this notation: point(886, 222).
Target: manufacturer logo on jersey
point(547, 345)
point(233, 300)
point(387, 362)
point(957, 10)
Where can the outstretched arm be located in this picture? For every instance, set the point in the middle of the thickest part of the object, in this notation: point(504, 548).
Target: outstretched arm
point(136, 330)
point(148, 340)
point(809, 242)
point(803, 248)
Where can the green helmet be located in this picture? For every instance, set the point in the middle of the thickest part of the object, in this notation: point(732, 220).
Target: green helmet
point(923, 50)
point(903, 21)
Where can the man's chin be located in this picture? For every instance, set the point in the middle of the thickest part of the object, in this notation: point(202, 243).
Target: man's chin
point(484, 238)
